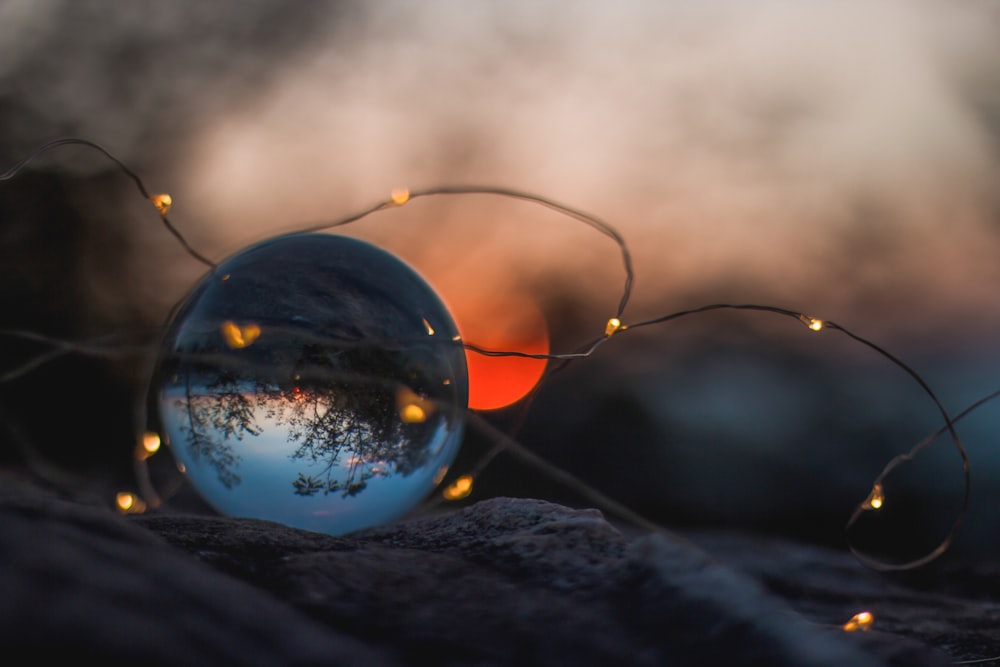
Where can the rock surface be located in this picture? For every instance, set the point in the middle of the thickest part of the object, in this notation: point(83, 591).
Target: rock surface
point(501, 582)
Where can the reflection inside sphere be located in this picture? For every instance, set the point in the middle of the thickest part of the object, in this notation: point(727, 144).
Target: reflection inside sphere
point(314, 380)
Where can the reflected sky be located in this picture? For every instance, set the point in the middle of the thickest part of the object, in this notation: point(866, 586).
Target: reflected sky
point(267, 470)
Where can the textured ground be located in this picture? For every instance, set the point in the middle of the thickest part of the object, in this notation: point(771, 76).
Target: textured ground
point(501, 582)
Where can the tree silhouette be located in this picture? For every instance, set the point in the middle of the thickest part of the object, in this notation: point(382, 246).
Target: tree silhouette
point(337, 420)
point(215, 416)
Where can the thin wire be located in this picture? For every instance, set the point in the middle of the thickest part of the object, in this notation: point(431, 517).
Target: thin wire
point(70, 141)
point(895, 462)
point(909, 456)
point(19, 166)
point(889, 468)
point(581, 216)
point(978, 661)
point(569, 480)
point(97, 347)
point(587, 349)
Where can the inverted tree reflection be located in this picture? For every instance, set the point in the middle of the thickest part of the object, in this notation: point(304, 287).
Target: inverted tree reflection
point(344, 427)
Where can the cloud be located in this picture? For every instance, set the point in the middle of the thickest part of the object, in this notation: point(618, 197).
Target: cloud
point(839, 156)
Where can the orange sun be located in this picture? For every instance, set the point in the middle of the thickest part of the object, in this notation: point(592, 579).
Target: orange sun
point(507, 322)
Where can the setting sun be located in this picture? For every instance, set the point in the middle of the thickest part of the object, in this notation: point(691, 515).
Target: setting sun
point(504, 322)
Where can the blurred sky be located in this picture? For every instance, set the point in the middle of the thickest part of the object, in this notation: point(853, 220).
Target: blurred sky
point(836, 158)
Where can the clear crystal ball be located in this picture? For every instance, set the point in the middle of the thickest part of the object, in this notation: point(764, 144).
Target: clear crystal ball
point(315, 380)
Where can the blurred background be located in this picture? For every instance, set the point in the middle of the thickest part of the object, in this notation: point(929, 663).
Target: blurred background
point(840, 159)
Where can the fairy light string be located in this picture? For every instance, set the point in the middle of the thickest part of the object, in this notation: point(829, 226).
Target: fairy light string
point(162, 202)
point(614, 326)
point(401, 196)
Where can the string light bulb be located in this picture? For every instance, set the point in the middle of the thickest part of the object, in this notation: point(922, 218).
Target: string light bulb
point(412, 414)
point(862, 621)
point(400, 196)
point(162, 202)
point(151, 441)
point(875, 499)
point(613, 325)
point(412, 408)
point(460, 488)
point(147, 446)
point(238, 337)
point(129, 503)
point(814, 323)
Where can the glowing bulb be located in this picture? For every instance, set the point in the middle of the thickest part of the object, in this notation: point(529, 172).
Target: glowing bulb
point(428, 327)
point(400, 196)
point(151, 442)
point(614, 324)
point(460, 488)
point(238, 337)
point(149, 445)
point(412, 408)
point(813, 323)
point(129, 504)
point(413, 414)
point(875, 499)
point(162, 203)
point(125, 501)
point(861, 621)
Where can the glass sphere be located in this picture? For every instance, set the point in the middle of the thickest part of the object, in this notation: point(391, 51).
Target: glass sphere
point(315, 380)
